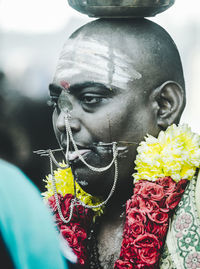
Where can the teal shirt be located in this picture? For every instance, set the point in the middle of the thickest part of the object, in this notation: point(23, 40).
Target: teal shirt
point(26, 224)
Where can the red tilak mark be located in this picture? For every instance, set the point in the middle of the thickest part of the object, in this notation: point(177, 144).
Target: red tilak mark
point(65, 84)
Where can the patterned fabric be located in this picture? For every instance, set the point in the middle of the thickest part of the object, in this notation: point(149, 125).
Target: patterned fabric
point(182, 248)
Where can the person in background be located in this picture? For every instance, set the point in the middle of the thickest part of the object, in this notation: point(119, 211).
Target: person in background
point(28, 238)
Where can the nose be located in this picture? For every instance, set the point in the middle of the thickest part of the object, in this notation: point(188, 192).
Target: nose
point(73, 121)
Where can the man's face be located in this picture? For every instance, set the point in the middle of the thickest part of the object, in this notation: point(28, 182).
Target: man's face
point(106, 105)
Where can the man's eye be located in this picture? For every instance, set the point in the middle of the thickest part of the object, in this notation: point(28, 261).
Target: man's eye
point(91, 100)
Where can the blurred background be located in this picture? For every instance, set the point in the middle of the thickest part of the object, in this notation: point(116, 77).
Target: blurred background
point(32, 34)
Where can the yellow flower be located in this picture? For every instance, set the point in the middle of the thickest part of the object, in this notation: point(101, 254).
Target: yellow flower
point(65, 185)
point(175, 153)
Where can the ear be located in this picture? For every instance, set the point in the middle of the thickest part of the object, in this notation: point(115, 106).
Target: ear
point(170, 98)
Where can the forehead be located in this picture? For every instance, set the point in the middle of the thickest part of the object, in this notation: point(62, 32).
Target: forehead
point(91, 60)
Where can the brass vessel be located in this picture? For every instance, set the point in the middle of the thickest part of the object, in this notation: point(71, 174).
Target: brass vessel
point(120, 8)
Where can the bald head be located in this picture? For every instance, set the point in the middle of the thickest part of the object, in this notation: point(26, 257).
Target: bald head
point(128, 54)
point(137, 50)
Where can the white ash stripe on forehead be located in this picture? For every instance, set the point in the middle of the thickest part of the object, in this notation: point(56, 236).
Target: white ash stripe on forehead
point(109, 66)
point(89, 46)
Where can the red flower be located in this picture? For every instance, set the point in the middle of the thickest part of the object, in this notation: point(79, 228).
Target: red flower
point(167, 183)
point(137, 228)
point(147, 240)
point(173, 200)
point(69, 234)
point(135, 215)
point(67, 202)
point(181, 185)
point(151, 190)
point(128, 252)
point(158, 217)
point(119, 264)
point(75, 236)
point(133, 202)
point(52, 202)
point(127, 242)
point(149, 256)
point(148, 205)
point(145, 266)
point(138, 185)
point(80, 233)
point(158, 230)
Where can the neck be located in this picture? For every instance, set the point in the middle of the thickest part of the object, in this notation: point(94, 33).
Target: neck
point(109, 237)
point(117, 204)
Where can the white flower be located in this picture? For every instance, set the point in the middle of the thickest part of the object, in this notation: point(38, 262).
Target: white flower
point(175, 153)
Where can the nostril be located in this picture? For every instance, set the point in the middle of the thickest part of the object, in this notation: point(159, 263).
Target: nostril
point(74, 124)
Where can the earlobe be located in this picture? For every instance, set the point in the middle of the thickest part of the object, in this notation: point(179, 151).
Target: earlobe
point(170, 100)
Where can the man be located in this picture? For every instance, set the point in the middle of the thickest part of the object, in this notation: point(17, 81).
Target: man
point(124, 80)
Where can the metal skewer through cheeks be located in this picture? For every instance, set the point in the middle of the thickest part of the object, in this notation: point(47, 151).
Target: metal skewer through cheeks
point(75, 201)
point(52, 159)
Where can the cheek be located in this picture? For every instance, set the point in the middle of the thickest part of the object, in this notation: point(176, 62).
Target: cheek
point(120, 124)
point(108, 125)
point(98, 127)
point(54, 119)
point(54, 122)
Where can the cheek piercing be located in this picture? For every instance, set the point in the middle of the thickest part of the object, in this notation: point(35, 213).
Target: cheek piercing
point(95, 169)
point(52, 159)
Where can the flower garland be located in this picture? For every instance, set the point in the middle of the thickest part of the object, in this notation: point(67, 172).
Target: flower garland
point(175, 153)
point(65, 185)
point(164, 165)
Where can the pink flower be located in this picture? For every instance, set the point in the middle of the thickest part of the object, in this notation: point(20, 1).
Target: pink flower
point(128, 252)
point(138, 186)
point(137, 228)
point(70, 235)
point(159, 230)
point(145, 266)
point(119, 264)
point(147, 240)
point(173, 200)
point(168, 184)
point(135, 215)
point(148, 205)
point(151, 191)
point(149, 255)
point(76, 237)
point(52, 202)
point(183, 221)
point(158, 217)
point(181, 185)
point(133, 203)
point(193, 260)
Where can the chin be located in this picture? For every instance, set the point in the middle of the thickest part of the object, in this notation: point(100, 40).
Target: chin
point(94, 183)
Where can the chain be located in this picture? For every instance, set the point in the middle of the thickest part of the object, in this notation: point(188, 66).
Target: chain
point(96, 169)
point(110, 194)
point(55, 162)
point(73, 202)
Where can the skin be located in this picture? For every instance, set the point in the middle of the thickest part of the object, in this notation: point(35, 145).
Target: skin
point(116, 91)
point(108, 84)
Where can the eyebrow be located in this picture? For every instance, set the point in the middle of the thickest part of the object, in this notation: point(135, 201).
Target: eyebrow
point(55, 89)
